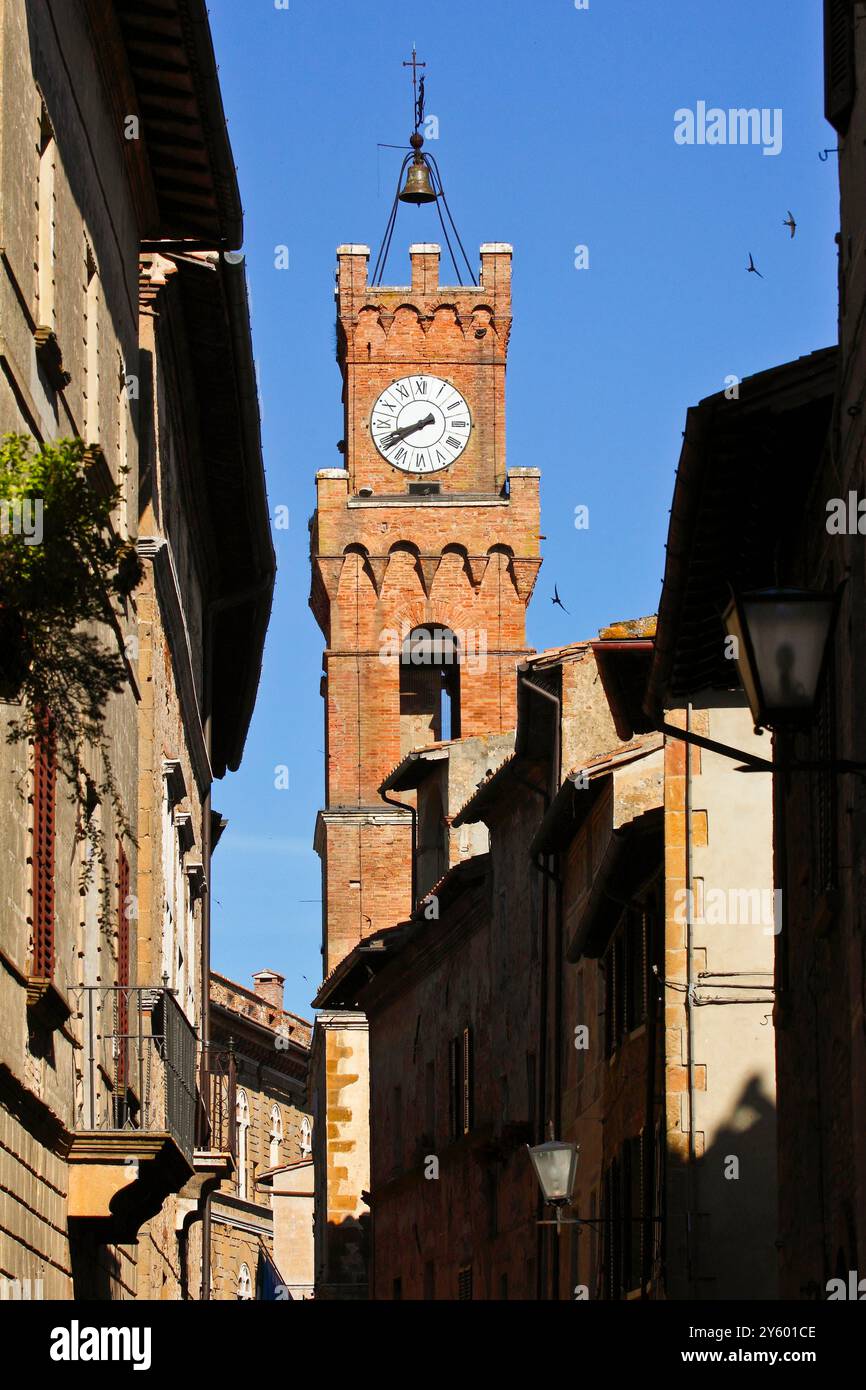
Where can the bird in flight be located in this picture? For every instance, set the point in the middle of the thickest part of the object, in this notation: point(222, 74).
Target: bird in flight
point(789, 222)
point(557, 599)
point(752, 268)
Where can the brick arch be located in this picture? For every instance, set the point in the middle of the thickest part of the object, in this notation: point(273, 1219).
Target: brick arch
point(370, 328)
point(355, 576)
point(444, 319)
point(407, 323)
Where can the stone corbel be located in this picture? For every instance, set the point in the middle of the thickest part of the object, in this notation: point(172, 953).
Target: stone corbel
point(477, 566)
point(330, 568)
point(429, 568)
point(378, 564)
point(524, 573)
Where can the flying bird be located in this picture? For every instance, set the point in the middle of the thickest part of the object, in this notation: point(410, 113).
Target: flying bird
point(789, 222)
point(752, 268)
point(557, 599)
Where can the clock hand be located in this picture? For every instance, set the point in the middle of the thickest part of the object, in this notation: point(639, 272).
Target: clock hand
point(387, 440)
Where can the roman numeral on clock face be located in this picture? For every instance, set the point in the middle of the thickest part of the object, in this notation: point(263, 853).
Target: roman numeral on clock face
point(415, 421)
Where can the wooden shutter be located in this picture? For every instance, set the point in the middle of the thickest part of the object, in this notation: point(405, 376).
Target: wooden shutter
point(464, 1282)
point(44, 789)
point(122, 917)
point(453, 1087)
point(840, 82)
point(466, 1117)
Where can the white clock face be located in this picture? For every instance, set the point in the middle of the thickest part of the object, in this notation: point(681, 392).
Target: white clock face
point(420, 424)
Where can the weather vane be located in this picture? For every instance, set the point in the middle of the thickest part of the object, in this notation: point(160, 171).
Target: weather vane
point(417, 87)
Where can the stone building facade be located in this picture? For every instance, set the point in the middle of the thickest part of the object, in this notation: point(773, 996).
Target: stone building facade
point(261, 1218)
point(107, 324)
point(447, 563)
point(540, 989)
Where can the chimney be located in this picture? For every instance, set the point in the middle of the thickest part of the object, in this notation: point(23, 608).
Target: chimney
point(268, 985)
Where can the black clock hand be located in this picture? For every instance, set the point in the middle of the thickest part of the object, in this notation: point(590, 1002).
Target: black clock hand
point(387, 440)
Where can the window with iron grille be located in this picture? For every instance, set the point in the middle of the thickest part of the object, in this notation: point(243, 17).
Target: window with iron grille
point(44, 798)
point(464, 1282)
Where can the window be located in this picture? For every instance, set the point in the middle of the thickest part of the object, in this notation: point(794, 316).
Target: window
point(623, 1210)
point(243, 1121)
point(464, 1282)
point(635, 956)
point(123, 907)
point(460, 1084)
point(626, 974)
point(467, 1097)
point(430, 1101)
point(91, 348)
point(45, 247)
point(430, 686)
point(276, 1136)
point(245, 1283)
point(397, 1130)
point(306, 1137)
point(44, 790)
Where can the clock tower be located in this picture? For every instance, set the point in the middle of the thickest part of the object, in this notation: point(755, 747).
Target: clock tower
point(425, 551)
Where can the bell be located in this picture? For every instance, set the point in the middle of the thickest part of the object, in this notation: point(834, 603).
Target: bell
point(417, 188)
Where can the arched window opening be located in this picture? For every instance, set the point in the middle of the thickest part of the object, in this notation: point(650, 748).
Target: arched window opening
point(243, 1119)
point(306, 1138)
point(276, 1136)
point(429, 687)
point(245, 1283)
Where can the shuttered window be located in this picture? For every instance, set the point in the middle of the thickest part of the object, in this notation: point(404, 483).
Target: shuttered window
point(454, 1087)
point(467, 1098)
point(44, 811)
point(839, 75)
point(464, 1282)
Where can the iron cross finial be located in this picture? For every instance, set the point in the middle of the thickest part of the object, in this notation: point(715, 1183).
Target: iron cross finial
point(415, 64)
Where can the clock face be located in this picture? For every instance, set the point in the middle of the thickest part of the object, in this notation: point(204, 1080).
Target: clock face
point(420, 424)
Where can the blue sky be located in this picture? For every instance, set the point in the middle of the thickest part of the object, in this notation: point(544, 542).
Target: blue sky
point(556, 129)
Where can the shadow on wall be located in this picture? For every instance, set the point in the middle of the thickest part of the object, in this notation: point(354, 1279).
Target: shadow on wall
point(732, 1251)
point(348, 1245)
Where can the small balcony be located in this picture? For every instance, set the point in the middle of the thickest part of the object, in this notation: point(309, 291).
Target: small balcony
point(135, 1107)
point(215, 1155)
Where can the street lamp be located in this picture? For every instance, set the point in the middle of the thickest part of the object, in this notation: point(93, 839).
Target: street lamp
point(555, 1165)
point(781, 642)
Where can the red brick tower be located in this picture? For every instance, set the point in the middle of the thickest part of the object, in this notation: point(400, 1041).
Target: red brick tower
point(425, 550)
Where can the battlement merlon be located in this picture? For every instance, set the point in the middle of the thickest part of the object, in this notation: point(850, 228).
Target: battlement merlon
point(354, 293)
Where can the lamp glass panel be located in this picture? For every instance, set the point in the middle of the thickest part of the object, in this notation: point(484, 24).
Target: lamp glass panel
point(788, 638)
point(555, 1166)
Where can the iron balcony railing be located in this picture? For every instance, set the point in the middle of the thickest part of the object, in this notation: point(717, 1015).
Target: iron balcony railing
point(218, 1092)
point(138, 1063)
